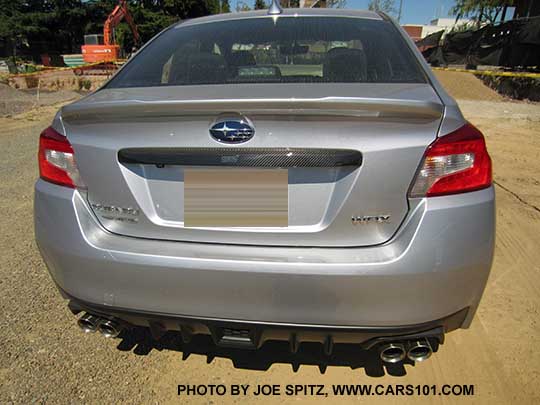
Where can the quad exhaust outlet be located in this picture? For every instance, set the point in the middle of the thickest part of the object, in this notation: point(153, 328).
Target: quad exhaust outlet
point(393, 353)
point(91, 323)
point(88, 323)
point(419, 350)
point(110, 329)
point(415, 350)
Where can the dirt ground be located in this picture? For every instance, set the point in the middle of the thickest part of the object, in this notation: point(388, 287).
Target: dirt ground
point(13, 101)
point(44, 358)
point(466, 86)
point(55, 80)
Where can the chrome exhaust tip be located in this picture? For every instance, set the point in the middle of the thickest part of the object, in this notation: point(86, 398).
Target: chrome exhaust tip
point(419, 350)
point(109, 328)
point(88, 323)
point(392, 353)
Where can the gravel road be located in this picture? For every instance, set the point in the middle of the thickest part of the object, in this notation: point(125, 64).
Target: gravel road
point(45, 359)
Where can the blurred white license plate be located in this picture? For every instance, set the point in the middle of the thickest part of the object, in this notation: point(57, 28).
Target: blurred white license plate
point(243, 197)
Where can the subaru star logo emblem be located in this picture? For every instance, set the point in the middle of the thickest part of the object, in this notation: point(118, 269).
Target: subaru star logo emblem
point(232, 131)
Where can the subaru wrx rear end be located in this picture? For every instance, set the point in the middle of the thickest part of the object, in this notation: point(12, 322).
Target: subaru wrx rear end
point(254, 177)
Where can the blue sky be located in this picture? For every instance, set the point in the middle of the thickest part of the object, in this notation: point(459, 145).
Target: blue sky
point(414, 11)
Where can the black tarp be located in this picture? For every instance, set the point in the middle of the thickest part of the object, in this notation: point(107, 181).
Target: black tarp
point(524, 50)
point(434, 56)
point(431, 40)
point(512, 44)
point(458, 46)
point(492, 44)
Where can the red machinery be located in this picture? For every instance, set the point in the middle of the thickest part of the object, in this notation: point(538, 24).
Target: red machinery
point(103, 48)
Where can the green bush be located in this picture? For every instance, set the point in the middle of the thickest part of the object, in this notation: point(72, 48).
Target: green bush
point(31, 81)
point(85, 84)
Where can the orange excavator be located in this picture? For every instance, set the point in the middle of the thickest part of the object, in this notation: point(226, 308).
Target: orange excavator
point(103, 48)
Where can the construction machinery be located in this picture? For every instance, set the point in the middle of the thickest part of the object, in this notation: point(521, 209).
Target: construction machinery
point(103, 48)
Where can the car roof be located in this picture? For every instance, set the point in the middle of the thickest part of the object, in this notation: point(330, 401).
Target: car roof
point(287, 12)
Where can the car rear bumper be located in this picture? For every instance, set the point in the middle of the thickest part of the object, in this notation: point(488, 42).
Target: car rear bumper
point(252, 335)
point(435, 266)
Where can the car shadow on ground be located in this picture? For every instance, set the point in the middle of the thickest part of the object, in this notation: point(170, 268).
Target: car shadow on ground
point(141, 342)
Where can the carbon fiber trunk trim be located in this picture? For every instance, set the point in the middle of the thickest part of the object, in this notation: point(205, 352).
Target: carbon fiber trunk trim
point(242, 157)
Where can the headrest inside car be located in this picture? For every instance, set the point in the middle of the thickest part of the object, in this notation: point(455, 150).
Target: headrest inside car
point(241, 58)
point(198, 68)
point(345, 65)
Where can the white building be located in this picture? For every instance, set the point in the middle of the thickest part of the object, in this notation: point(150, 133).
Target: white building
point(448, 23)
point(417, 31)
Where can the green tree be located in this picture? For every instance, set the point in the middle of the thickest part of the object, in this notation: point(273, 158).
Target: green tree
point(36, 27)
point(32, 27)
point(290, 3)
point(259, 5)
point(12, 29)
point(336, 3)
point(152, 16)
point(225, 6)
point(481, 10)
point(385, 6)
point(242, 6)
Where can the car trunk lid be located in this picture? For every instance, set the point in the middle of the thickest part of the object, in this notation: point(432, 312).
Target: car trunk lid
point(349, 159)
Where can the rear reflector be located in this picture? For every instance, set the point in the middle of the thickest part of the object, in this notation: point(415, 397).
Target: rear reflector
point(57, 160)
point(454, 163)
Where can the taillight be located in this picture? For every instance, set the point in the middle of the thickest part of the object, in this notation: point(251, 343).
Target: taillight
point(57, 160)
point(454, 163)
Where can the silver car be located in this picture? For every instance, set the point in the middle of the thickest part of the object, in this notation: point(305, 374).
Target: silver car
point(294, 175)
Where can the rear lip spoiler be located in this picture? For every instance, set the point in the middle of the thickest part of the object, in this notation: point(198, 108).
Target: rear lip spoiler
point(344, 106)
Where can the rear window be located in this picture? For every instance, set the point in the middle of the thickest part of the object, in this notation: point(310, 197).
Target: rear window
point(287, 50)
